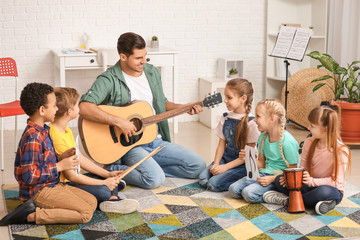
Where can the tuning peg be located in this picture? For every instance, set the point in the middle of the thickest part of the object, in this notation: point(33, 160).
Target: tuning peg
point(212, 106)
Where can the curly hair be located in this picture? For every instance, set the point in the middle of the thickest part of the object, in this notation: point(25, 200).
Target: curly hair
point(33, 96)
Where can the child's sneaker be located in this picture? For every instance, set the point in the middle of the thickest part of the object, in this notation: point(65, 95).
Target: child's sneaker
point(122, 185)
point(123, 206)
point(324, 207)
point(275, 197)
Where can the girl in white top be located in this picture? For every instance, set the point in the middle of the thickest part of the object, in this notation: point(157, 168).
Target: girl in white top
point(325, 158)
point(236, 129)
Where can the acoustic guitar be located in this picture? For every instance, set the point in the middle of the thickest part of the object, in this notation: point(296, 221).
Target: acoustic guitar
point(106, 144)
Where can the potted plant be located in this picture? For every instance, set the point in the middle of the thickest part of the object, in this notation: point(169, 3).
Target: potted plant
point(233, 72)
point(345, 84)
point(154, 42)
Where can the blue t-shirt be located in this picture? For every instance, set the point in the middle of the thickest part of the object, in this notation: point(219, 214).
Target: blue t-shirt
point(274, 162)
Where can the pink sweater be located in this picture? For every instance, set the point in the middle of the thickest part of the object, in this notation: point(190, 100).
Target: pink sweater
point(322, 165)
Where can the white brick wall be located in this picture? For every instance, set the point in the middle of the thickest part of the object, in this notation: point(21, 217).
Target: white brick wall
point(201, 30)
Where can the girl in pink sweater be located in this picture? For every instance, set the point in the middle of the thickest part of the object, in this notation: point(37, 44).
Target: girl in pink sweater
point(325, 159)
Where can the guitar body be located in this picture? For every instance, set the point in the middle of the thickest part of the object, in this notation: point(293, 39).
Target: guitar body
point(106, 144)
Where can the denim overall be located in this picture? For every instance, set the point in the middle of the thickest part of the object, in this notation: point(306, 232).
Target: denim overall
point(221, 182)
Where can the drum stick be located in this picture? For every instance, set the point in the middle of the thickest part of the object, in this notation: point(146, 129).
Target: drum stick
point(127, 171)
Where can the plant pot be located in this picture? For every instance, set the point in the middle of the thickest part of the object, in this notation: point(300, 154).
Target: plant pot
point(350, 127)
point(154, 44)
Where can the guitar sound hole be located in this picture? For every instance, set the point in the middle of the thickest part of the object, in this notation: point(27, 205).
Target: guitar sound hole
point(134, 138)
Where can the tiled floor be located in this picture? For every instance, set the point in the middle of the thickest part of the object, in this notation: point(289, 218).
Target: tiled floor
point(192, 135)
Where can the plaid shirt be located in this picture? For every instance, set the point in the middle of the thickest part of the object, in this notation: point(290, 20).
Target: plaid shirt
point(35, 162)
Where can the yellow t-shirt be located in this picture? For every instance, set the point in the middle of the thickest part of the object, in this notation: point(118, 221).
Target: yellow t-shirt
point(62, 142)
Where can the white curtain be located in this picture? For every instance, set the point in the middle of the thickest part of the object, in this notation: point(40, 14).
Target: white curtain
point(344, 30)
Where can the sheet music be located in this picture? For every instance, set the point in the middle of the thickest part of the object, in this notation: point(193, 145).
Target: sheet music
point(251, 155)
point(291, 43)
point(283, 41)
point(299, 44)
point(77, 152)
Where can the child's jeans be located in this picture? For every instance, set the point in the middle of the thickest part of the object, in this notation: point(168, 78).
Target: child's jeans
point(63, 204)
point(221, 182)
point(250, 190)
point(101, 192)
point(313, 195)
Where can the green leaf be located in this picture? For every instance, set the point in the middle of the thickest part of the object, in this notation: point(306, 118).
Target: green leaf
point(321, 78)
point(318, 86)
point(329, 63)
point(340, 70)
point(315, 54)
point(349, 83)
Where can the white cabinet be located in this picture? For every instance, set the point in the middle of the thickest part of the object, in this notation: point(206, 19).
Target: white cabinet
point(308, 13)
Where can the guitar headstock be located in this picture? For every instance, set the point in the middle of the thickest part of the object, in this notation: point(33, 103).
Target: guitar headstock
point(212, 100)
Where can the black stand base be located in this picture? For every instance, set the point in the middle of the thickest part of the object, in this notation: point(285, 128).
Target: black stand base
point(288, 120)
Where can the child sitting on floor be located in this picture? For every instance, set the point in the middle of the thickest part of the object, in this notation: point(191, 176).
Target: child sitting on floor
point(101, 183)
point(325, 158)
point(278, 150)
point(37, 169)
point(235, 130)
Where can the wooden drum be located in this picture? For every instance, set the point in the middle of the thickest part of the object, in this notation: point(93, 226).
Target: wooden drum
point(293, 178)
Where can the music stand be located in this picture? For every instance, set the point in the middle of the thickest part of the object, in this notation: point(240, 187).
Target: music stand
point(291, 44)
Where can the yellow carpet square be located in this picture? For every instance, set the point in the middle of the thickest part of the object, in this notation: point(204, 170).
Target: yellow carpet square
point(236, 203)
point(345, 222)
point(169, 220)
point(176, 200)
point(289, 217)
point(39, 232)
point(244, 230)
point(161, 189)
point(348, 203)
point(161, 209)
point(215, 211)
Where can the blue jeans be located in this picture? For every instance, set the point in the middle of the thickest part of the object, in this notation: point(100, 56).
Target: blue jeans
point(221, 182)
point(173, 161)
point(101, 192)
point(250, 190)
point(313, 195)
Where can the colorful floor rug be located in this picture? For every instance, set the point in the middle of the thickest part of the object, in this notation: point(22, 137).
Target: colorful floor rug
point(181, 209)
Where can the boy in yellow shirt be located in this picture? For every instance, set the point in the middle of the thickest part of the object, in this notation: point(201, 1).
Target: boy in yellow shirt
point(101, 183)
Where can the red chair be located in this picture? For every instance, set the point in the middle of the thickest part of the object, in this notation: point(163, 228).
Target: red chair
point(8, 69)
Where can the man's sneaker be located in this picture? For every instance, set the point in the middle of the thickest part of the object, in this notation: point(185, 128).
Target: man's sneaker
point(123, 206)
point(121, 185)
point(275, 197)
point(324, 207)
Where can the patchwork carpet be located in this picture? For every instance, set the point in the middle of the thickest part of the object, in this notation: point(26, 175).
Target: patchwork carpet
point(181, 209)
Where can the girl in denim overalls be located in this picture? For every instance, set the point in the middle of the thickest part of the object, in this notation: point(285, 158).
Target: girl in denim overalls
point(235, 129)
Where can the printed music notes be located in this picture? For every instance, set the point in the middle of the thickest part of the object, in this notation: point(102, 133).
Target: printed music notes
point(291, 43)
point(251, 155)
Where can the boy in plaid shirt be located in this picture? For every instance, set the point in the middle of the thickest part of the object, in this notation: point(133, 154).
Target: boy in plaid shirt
point(37, 168)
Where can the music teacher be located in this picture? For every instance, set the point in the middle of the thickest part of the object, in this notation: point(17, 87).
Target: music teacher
point(131, 78)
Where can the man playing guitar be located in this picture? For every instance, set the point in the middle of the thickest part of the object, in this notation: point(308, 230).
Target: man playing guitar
point(132, 79)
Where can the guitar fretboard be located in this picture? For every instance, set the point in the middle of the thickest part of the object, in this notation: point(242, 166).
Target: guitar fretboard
point(169, 114)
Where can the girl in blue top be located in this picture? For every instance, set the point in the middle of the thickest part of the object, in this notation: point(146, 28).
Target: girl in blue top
point(278, 150)
point(235, 130)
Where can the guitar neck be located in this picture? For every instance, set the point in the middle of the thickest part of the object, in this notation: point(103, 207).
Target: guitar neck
point(169, 114)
